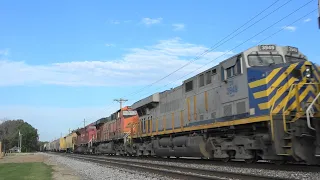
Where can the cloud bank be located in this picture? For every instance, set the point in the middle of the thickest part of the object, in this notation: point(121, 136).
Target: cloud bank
point(139, 66)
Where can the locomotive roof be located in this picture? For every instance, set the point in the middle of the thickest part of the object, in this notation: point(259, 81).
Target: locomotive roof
point(154, 98)
point(102, 120)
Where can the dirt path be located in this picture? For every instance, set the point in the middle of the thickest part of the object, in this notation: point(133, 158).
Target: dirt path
point(21, 158)
point(60, 172)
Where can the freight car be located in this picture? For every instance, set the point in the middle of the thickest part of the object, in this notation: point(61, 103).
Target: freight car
point(55, 145)
point(63, 144)
point(70, 142)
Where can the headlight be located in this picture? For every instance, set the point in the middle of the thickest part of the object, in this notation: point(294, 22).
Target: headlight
point(308, 72)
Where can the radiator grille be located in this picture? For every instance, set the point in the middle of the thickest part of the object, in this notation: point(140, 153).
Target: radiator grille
point(241, 107)
point(228, 110)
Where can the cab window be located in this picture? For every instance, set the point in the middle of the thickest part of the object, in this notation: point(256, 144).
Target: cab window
point(233, 70)
point(264, 60)
point(294, 59)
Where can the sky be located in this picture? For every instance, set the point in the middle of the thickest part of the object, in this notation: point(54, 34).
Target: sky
point(65, 61)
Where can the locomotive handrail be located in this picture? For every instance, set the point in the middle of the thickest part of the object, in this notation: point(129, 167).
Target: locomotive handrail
point(298, 106)
point(308, 112)
point(309, 109)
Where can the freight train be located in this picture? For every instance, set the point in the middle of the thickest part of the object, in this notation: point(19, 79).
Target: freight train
point(260, 104)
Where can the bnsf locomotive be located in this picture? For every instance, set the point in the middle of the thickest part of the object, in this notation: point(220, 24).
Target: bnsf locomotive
point(259, 104)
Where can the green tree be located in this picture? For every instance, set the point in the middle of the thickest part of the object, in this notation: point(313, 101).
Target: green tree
point(9, 134)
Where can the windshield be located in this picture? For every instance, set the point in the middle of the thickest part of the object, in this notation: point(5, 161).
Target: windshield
point(264, 60)
point(294, 59)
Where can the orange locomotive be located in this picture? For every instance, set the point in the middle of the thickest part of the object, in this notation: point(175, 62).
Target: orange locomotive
point(112, 131)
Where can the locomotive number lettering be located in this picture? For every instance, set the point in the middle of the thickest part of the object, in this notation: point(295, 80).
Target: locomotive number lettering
point(293, 49)
point(232, 89)
point(267, 48)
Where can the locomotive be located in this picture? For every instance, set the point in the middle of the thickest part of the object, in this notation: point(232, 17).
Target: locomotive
point(260, 104)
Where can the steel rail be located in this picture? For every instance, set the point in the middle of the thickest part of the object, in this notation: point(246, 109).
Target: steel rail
point(173, 170)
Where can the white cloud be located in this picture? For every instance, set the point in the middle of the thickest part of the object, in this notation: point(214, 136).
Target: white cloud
point(109, 45)
point(150, 21)
point(290, 28)
point(114, 22)
point(307, 20)
point(139, 66)
point(178, 27)
point(4, 52)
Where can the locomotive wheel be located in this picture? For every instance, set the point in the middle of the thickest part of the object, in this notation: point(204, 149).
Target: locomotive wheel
point(227, 159)
point(252, 160)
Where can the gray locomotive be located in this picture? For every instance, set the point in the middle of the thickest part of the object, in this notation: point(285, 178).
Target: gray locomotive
point(259, 104)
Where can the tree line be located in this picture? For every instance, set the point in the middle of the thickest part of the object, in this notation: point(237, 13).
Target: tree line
point(9, 135)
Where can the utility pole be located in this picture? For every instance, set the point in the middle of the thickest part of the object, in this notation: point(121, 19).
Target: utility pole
point(84, 123)
point(120, 101)
point(69, 131)
point(319, 13)
point(20, 142)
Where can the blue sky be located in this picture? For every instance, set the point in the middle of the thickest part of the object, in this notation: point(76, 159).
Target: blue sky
point(63, 61)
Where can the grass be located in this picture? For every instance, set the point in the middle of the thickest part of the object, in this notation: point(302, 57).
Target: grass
point(24, 171)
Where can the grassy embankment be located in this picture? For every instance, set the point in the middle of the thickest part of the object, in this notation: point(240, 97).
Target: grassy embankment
point(32, 171)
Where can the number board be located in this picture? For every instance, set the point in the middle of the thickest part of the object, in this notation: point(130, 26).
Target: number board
point(267, 47)
point(293, 49)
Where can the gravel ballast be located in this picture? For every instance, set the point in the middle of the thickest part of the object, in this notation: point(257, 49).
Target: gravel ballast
point(256, 171)
point(94, 171)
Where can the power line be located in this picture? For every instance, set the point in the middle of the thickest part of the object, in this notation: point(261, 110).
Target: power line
point(239, 44)
point(218, 44)
point(240, 32)
point(244, 41)
point(214, 46)
point(299, 19)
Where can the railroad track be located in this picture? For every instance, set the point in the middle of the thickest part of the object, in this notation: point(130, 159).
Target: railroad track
point(240, 164)
point(173, 171)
